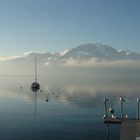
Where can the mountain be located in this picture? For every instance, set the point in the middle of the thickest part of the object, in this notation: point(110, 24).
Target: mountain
point(88, 51)
point(100, 52)
point(81, 54)
point(92, 52)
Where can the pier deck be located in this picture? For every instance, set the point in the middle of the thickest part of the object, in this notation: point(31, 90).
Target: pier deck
point(130, 128)
point(109, 120)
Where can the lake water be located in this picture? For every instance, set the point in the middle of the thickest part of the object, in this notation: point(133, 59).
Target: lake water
point(65, 109)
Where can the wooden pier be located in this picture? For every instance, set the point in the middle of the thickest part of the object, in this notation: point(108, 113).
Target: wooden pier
point(130, 128)
point(108, 120)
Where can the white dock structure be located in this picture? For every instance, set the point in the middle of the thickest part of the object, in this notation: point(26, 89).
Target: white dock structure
point(130, 127)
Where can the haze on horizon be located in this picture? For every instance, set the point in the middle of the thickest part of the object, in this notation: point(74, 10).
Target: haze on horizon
point(51, 25)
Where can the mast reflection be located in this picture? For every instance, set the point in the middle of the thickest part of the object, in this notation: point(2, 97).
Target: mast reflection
point(35, 91)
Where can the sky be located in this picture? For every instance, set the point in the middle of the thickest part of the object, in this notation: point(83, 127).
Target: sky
point(53, 25)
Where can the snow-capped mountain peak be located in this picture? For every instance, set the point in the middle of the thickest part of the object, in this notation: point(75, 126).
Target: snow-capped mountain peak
point(62, 53)
point(86, 53)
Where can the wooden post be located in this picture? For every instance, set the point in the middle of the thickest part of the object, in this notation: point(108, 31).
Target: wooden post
point(105, 100)
point(138, 101)
point(122, 100)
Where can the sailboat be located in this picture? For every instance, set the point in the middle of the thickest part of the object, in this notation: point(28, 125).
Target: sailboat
point(35, 86)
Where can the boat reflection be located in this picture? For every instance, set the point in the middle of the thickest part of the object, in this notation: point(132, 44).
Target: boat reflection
point(35, 91)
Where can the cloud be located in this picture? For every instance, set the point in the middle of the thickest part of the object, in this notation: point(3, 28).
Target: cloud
point(91, 62)
point(30, 52)
point(8, 58)
point(62, 53)
point(27, 53)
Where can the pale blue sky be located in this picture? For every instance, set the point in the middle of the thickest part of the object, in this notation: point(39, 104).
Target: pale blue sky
point(52, 25)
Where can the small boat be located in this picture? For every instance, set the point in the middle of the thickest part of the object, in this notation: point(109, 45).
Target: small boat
point(35, 85)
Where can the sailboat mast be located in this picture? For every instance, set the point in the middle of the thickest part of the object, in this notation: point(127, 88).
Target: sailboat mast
point(35, 70)
point(35, 86)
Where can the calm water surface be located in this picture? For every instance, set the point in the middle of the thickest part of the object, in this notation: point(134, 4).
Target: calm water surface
point(68, 109)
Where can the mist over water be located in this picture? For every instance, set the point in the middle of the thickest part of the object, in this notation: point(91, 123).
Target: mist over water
point(69, 105)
